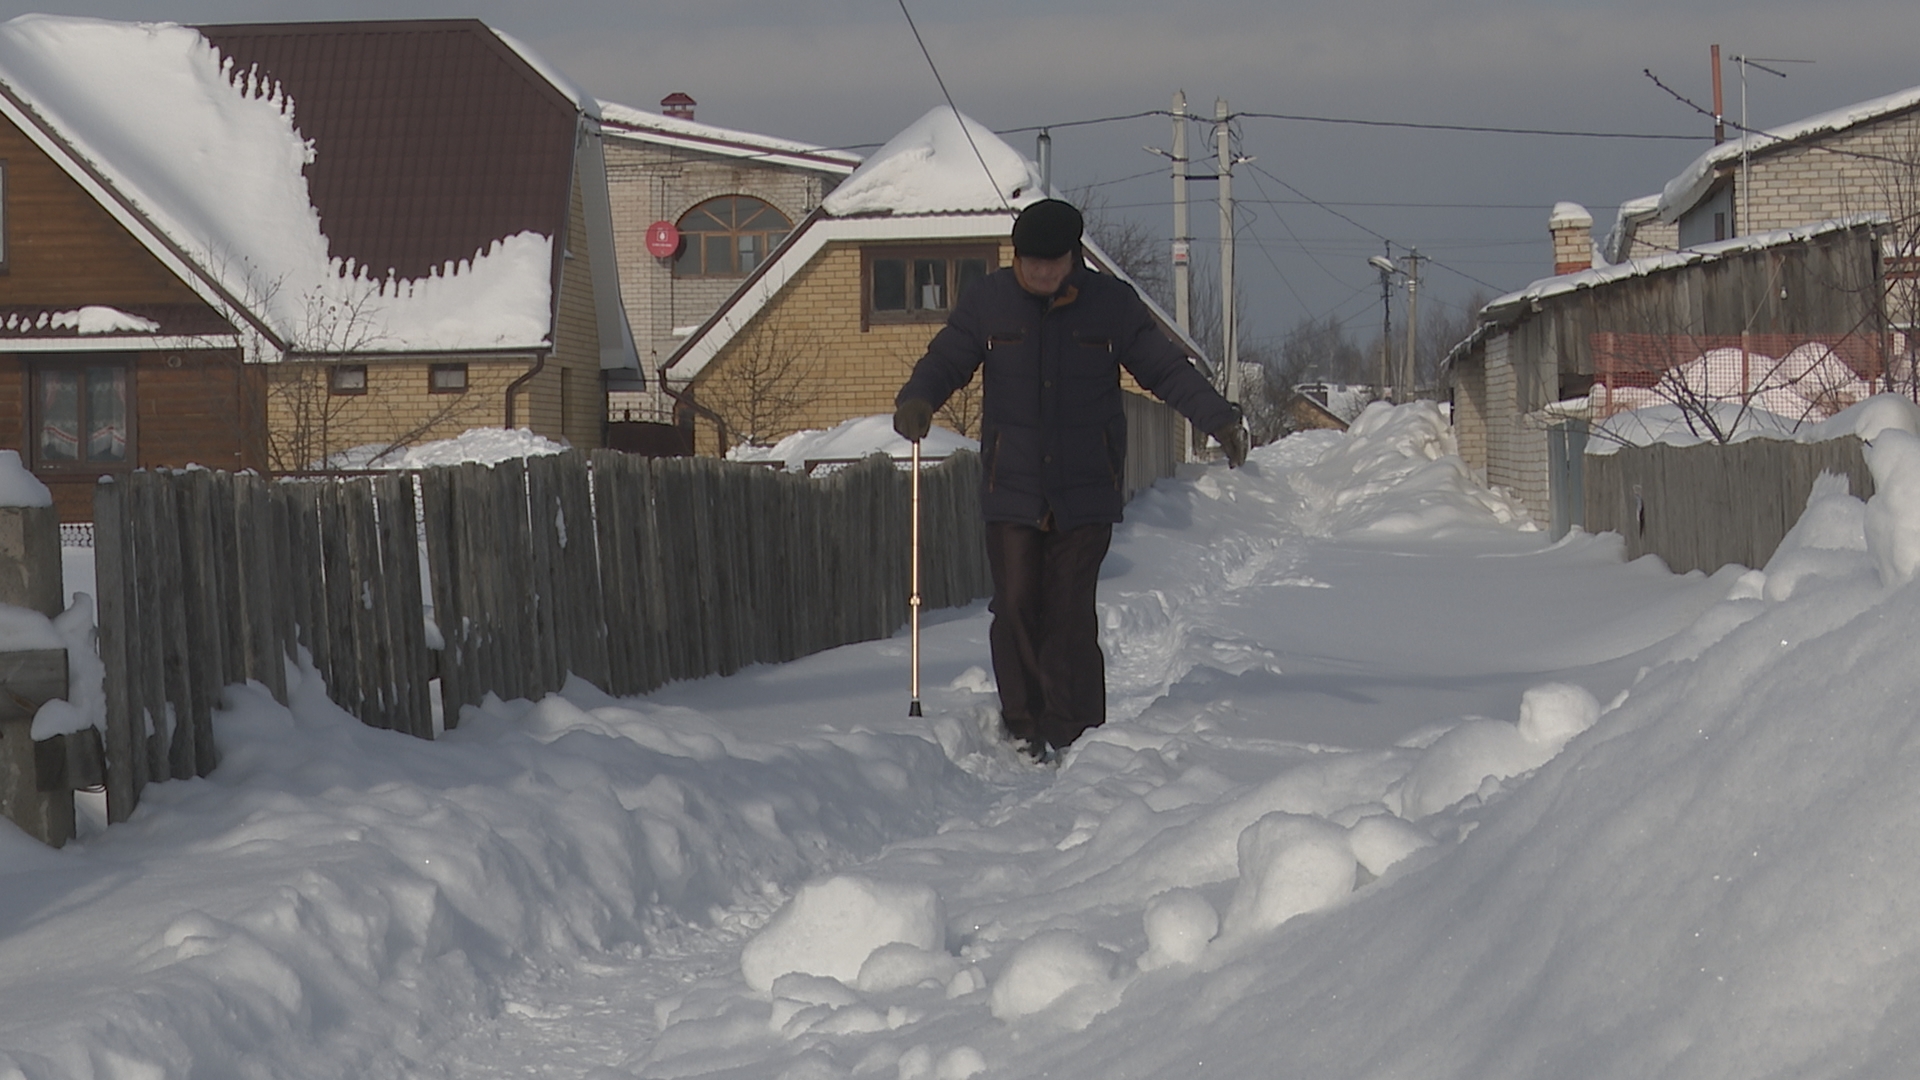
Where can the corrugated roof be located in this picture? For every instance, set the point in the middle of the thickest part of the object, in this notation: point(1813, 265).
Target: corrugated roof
point(432, 139)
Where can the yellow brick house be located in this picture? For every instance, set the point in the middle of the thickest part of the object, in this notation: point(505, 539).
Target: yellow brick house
point(829, 326)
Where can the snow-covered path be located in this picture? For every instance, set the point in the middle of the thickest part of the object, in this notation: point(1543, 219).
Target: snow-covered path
point(1390, 787)
point(1272, 649)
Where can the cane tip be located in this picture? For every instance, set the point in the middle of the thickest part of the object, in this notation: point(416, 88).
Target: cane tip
point(914, 708)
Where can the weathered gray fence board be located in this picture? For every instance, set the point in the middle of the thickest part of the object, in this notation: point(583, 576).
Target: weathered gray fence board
point(1702, 507)
point(626, 571)
point(111, 580)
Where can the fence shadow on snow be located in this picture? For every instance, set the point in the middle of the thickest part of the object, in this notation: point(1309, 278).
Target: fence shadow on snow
point(626, 571)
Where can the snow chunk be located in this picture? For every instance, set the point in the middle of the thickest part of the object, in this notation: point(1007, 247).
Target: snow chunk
point(1553, 713)
point(100, 319)
point(1047, 967)
point(482, 446)
point(1290, 864)
point(1893, 514)
point(1381, 840)
point(832, 926)
point(931, 168)
point(1179, 922)
point(18, 485)
point(1569, 215)
point(897, 966)
point(24, 630)
point(1867, 419)
point(1460, 762)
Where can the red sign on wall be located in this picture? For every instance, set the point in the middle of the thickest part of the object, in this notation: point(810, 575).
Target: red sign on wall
point(662, 239)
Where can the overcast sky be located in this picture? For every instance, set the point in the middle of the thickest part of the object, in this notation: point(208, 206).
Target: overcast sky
point(848, 73)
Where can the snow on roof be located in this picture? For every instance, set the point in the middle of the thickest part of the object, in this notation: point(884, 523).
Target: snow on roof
point(205, 163)
point(1625, 221)
point(1632, 268)
point(582, 101)
point(625, 121)
point(937, 166)
point(1684, 191)
point(1569, 215)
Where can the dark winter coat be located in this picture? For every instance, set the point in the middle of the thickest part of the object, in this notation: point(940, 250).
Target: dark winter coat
point(1053, 436)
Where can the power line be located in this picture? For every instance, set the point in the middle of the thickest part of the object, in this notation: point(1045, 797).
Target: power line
point(1813, 146)
point(1476, 128)
point(1358, 122)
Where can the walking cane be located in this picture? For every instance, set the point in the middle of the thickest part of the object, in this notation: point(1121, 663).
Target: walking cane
point(913, 599)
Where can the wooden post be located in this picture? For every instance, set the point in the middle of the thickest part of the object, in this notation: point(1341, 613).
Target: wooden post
point(34, 791)
point(111, 583)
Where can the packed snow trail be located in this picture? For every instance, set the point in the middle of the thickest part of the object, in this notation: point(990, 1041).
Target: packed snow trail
point(1391, 787)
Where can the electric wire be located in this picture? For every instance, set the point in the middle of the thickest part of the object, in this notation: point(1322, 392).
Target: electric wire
point(959, 119)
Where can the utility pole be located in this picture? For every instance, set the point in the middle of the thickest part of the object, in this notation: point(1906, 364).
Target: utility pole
point(1411, 361)
point(1719, 113)
point(1384, 264)
point(1229, 343)
point(1043, 149)
point(1182, 235)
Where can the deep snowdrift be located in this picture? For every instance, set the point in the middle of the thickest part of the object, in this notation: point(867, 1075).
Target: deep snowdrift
point(1390, 788)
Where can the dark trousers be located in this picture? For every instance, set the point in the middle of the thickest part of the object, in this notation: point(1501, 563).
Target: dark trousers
point(1046, 633)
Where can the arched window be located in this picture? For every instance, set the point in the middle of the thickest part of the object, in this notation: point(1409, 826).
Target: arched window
point(728, 237)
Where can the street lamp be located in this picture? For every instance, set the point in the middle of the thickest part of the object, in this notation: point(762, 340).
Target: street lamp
point(1387, 270)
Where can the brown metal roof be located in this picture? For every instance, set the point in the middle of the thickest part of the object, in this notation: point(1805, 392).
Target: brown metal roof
point(432, 138)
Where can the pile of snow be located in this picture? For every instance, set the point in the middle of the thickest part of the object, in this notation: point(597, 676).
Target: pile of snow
point(214, 158)
point(852, 440)
point(1674, 425)
point(1809, 383)
point(935, 166)
point(1370, 819)
point(484, 446)
point(1398, 470)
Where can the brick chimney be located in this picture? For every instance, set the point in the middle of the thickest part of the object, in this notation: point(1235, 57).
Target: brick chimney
point(1572, 230)
point(677, 105)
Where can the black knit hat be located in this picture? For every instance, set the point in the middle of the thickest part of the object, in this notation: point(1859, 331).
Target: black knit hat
point(1047, 229)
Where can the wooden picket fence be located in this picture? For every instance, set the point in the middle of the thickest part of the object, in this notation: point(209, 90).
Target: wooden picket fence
point(626, 571)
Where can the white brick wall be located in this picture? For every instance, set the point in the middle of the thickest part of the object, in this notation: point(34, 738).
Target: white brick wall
point(649, 183)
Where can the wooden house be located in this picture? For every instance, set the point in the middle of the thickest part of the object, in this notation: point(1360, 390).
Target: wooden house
point(256, 246)
point(1545, 360)
point(828, 327)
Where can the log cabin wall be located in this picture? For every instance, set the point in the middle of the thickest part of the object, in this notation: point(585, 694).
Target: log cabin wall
point(64, 251)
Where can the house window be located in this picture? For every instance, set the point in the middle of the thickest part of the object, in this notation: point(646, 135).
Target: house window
point(347, 379)
point(728, 237)
point(447, 379)
point(921, 285)
point(82, 414)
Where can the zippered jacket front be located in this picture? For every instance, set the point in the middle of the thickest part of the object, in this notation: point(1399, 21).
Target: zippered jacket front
point(1053, 432)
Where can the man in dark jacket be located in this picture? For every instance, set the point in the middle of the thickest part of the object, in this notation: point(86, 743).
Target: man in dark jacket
point(1052, 336)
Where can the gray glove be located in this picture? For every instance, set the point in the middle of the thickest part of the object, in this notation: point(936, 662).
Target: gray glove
point(1233, 443)
point(912, 419)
